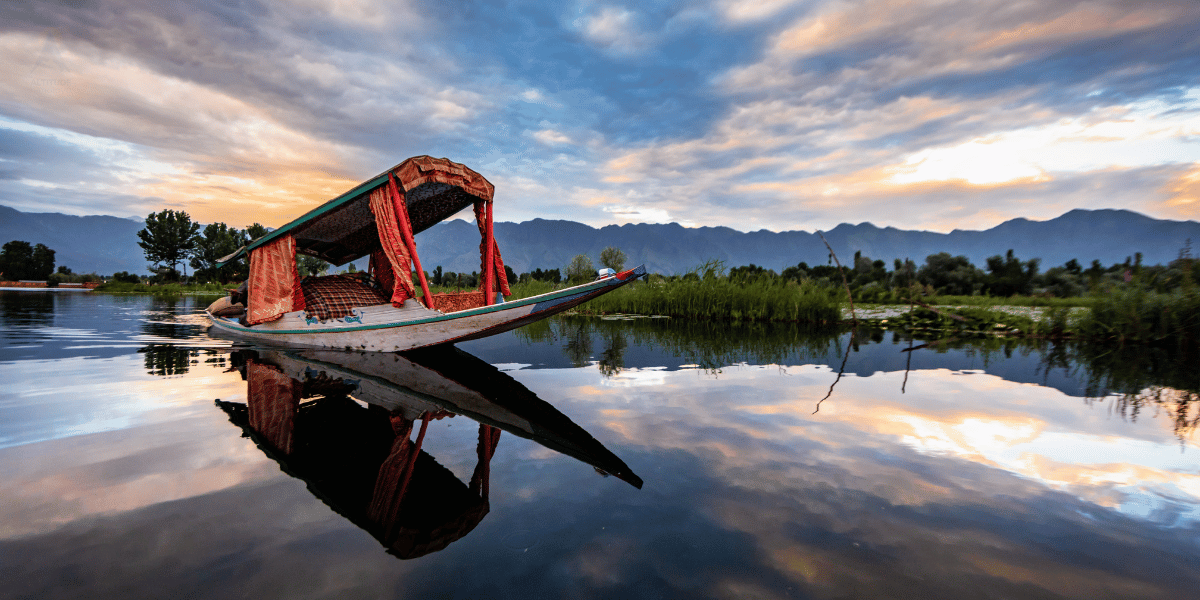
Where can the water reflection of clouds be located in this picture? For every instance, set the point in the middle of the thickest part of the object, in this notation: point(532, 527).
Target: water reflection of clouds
point(917, 495)
point(762, 417)
point(80, 478)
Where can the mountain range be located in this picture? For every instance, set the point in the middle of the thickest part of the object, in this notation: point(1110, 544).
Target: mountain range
point(106, 244)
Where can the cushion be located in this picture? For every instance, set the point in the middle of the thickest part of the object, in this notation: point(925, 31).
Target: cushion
point(333, 296)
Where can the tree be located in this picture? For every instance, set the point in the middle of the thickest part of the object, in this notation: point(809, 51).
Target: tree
point(1010, 275)
point(43, 262)
point(580, 269)
point(255, 231)
point(169, 237)
point(217, 241)
point(20, 260)
point(16, 261)
point(310, 266)
point(953, 275)
point(613, 258)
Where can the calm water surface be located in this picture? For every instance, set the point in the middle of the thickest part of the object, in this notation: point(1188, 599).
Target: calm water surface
point(583, 458)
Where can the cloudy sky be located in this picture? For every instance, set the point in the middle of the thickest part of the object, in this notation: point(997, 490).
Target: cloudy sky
point(754, 114)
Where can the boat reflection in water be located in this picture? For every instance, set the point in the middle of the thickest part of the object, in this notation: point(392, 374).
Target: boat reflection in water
point(365, 463)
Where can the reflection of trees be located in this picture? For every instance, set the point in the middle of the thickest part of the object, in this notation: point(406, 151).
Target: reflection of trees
point(165, 360)
point(612, 359)
point(1181, 406)
point(711, 345)
point(1142, 378)
point(1134, 379)
point(577, 337)
point(25, 309)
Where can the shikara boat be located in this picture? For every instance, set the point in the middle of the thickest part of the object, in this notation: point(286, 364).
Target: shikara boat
point(378, 311)
point(363, 461)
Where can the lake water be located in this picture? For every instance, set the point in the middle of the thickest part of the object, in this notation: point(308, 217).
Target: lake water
point(584, 458)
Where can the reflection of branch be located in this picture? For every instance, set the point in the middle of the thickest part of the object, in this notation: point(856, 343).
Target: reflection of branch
point(908, 362)
point(909, 350)
point(841, 370)
point(932, 344)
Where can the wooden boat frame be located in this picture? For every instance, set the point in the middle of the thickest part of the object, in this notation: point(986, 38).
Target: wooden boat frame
point(374, 219)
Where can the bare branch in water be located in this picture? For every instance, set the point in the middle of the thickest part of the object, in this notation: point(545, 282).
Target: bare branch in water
point(846, 284)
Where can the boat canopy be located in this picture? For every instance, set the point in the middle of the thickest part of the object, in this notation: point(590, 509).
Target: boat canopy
point(377, 218)
point(343, 229)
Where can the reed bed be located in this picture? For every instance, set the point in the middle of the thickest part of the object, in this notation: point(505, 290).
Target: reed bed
point(165, 289)
point(1142, 315)
point(988, 301)
point(720, 298)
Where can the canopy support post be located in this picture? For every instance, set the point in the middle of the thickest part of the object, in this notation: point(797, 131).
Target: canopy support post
point(489, 294)
point(406, 232)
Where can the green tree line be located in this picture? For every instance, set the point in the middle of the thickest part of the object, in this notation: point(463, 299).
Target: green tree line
point(942, 274)
point(171, 238)
point(20, 260)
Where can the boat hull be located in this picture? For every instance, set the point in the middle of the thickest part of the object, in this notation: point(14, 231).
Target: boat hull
point(393, 330)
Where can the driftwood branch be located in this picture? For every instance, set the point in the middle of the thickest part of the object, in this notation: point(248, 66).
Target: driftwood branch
point(846, 284)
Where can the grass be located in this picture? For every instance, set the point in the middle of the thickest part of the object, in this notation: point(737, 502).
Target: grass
point(1141, 315)
point(1083, 301)
point(718, 298)
point(166, 289)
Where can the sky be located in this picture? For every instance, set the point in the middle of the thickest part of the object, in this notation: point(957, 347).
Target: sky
point(750, 114)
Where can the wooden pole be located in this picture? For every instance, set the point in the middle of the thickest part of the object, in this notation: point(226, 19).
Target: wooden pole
point(406, 232)
point(490, 261)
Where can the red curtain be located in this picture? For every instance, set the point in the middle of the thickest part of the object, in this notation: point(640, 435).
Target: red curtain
point(273, 400)
point(497, 262)
point(393, 246)
point(274, 281)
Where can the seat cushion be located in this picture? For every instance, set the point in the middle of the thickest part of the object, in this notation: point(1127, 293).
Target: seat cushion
point(333, 296)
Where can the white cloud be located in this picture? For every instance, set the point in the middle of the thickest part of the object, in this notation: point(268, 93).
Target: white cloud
point(616, 30)
point(1147, 133)
point(551, 137)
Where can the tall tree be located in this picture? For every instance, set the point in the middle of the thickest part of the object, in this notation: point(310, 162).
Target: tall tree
point(581, 269)
point(255, 231)
point(169, 237)
point(43, 262)
point(613, 258)
point(16, 261)
point(217, 241)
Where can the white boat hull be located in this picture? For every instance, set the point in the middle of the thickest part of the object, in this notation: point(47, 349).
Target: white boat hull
point(389, 329)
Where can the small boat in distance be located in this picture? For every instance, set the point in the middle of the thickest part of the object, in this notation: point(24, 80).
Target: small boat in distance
point(378, 311)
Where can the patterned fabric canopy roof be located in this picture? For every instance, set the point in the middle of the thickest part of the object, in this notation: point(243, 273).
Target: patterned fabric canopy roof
point(343, 229)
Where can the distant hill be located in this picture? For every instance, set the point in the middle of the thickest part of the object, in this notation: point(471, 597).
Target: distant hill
point(99, 244)
point(1107, 235)
point(108, 244)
